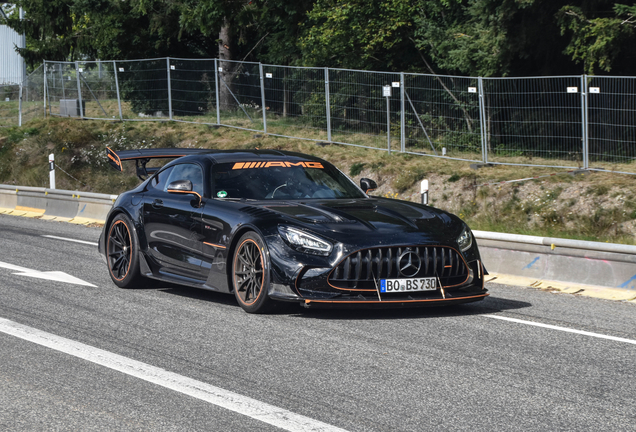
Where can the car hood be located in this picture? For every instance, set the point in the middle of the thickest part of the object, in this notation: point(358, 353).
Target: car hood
point(367, 214)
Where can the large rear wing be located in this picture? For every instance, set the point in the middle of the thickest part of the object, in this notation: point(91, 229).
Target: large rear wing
point(143, 156)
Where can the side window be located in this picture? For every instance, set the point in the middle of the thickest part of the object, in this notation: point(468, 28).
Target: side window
point(190, 172)
point(159, 180)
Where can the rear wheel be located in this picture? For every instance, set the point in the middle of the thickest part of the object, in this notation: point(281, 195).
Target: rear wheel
point(122, 253)
point(250, 274)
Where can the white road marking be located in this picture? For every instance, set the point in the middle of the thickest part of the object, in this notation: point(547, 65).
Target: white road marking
point(253, 408)
point(564, 329)
point(70, 240)
point(47, 275)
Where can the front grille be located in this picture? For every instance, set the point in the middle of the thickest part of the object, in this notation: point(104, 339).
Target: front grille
point(358, 270)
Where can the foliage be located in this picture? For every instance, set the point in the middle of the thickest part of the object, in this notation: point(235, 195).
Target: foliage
point(474, 37)
point(356, 168)
point(599, 40)
point(377, 32)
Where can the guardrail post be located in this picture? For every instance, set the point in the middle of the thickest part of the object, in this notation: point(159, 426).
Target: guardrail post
point(328, 105)
point(169, 88)
point(260, 71)
point(402, 120)
point(424, 192)
point(121, 117)
point(216, 86)
point(52, 171)
point(482, 122)
point(584, 123)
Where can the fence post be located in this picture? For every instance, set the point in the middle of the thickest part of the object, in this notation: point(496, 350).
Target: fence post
point(47, 99)
point(388, 124)
point(62, 81)
point(79, 89)
point(216, 85)
point(121, 117)
point(45, 86)
point(482, 122)
point(260, 71)
point(169, 89)
point(402, 120)
point(20, 106)
point(328, 105)
point(584, 123)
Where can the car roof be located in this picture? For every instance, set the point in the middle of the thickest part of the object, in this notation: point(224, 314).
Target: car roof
point(223, 156)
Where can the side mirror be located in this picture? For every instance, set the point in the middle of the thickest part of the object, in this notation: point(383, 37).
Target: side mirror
point(184, 187)
point(367, 185)
point(180, 186)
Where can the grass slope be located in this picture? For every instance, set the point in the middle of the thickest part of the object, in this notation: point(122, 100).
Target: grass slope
point(590, 206)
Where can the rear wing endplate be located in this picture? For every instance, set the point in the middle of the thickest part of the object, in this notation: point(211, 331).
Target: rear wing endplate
point(143, 156)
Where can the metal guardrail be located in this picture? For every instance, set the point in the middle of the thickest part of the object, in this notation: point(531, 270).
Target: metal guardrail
point(553, 242)
point(61, 192)
point(108, 199)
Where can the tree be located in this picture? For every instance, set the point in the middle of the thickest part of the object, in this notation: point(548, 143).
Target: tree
point(597, 41)
point(68, 30)
point(360, 34)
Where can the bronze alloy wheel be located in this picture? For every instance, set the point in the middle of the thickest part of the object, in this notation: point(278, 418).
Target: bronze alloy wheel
point(122, 253)
point(119, 250)
point(250, 274)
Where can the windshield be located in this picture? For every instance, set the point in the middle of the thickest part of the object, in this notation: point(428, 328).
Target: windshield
point(281, 180)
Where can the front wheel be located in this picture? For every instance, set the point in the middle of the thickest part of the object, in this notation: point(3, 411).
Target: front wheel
point(250, 274)
point(122, 253)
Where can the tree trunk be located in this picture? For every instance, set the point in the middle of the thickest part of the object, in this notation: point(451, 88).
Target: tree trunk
point(226, 100)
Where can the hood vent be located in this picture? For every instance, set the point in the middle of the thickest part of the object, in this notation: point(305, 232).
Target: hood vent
point(258, 212)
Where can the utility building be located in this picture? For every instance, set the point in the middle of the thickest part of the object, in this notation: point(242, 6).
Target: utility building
point(12, 67)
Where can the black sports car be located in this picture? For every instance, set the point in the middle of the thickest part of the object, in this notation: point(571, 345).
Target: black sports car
point(272, 226)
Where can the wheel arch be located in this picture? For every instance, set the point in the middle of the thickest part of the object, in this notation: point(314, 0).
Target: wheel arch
point(232, 247)
point(121, 210)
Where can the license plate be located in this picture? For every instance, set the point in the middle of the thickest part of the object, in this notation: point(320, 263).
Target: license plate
point(414, 284)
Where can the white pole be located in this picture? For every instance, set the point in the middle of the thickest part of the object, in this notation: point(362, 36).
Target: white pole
point(424, 191)
point(52, 171)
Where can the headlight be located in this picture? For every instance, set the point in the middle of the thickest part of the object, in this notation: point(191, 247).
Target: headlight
point(465, 239)
point(305, 242)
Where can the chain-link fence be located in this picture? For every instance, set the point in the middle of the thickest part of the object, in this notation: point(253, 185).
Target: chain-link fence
point(9, 104)
point(534, 121)
point(610, 122)
point(33, 96)
point(442, 116)
point(22, 102)
point(567, 121)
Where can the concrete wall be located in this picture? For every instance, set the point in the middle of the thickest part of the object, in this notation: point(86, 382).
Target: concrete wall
point(583, 262)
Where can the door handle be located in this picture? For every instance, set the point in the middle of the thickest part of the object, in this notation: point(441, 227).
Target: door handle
point(157, 203)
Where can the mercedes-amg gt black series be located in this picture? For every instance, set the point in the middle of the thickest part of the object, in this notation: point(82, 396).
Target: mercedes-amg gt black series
point(273, 226)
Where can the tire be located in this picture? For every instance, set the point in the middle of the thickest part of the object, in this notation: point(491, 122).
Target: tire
point(250, 274)
point(122, 253)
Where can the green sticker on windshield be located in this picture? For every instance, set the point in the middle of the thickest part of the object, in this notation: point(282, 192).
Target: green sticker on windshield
point(221, 194)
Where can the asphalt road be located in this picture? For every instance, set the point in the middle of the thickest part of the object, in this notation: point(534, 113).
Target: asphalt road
point(455, 368)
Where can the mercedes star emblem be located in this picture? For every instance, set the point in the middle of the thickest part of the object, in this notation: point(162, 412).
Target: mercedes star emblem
point(409, 264)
